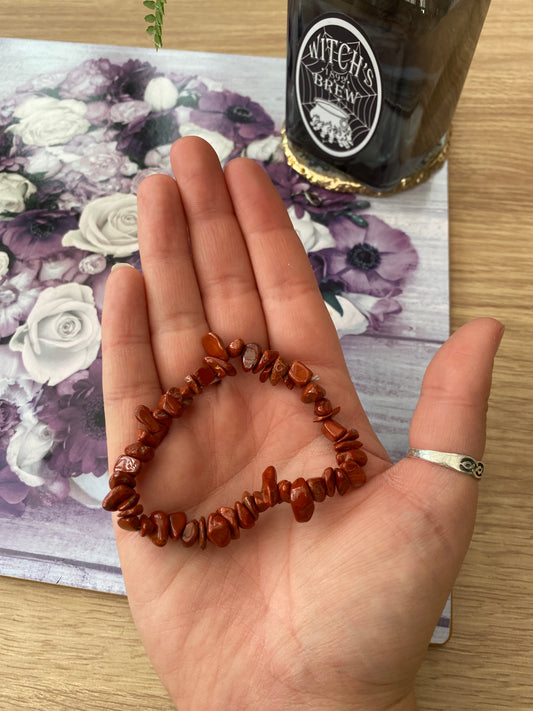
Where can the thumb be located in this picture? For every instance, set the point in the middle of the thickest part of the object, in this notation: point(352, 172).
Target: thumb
point(451, 412)
point(450, 417)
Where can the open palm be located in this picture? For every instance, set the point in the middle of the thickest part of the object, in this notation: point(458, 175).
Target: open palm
point(335, 613)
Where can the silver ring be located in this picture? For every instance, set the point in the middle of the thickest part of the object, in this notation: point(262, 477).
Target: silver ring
point(459, 462)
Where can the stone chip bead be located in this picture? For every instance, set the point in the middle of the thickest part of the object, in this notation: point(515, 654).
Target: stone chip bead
point(220, 367)
point(355, 473)
point(140, 451)
point(345, 445)
point(121, 478)
point(352, 455)
point(270, 489)
point(161, 533)
point(249, 501)
point(147, 420)
point(177, 522)
point(235, 348)
point(267, 359)
point(302, 503)
point(299, 373)
point(259, 501)
point(284, 488)
point(127, 464)
point(312, 392)
point(129, 523)
point(279, 370)
point(342, 481)
point(205, 375)
point(332, 430)
point(172, 402)
point(244, 517)
point(194, 385)
point(213, 346)
point(147, 526)
point(130, 502)
point(218, 530)
point(202, 532)
point(135, 510)
point(116, 496)
point(162, 417)
point(250, 356)
point(231, 517)
point(149, 439)
point(189, 535)
point(330, 481)
point(317, 486)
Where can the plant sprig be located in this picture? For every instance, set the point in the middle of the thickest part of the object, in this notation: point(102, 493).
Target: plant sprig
point(155, 20)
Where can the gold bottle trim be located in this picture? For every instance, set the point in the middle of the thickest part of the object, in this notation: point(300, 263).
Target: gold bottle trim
point(330, 178)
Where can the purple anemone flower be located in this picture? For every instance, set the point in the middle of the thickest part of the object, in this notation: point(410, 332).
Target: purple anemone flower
point(76, 418)
point(145, 133)
point(371, 260)
point(36, 233)
point(131, 80)
point(237, 117)
point(295, 190)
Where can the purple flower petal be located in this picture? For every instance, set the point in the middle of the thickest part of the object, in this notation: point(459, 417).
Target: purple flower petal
point(395, 265)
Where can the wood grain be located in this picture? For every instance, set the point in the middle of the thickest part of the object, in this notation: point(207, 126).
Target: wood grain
point(73, 649)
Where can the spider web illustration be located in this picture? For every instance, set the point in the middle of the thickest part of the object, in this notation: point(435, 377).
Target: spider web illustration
point(356, 99)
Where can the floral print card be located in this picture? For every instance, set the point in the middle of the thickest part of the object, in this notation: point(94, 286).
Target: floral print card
point(80, 127)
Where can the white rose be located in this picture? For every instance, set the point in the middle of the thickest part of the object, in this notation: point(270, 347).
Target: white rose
point(31, 441)
point(108, 225)
point(222, 145)
point(264, 148)
point(313, 235)
point(42, 160)
point(4, 263)
point(159, 157)
point(14, 191)
point(89, 490)
point(61, 334)
point(161, 94)
point(352, 321)
point(46, 121)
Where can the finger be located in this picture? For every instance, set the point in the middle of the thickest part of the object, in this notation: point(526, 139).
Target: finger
point(294, 309)
point(298, 322)
point(129, 374)
point(175, 308)
point(222, 265)
point(450, 415)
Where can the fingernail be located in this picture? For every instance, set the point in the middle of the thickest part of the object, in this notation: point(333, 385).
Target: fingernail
point(119, 265)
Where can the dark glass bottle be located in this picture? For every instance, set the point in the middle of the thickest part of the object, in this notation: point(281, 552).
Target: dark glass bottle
point(372, 85)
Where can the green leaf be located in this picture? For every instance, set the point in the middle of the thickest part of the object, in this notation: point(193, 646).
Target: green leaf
point(150, 30)
point(333, 301)
point(150, 4)
point(149, 18)
point(358, 220)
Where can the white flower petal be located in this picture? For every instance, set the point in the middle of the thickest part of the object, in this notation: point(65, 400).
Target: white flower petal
point(89, 489)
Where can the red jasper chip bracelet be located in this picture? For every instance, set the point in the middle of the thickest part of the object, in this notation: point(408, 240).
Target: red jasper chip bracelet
point(224, 525)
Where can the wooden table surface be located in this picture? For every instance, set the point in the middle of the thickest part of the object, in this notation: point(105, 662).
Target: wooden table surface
point(72, 649)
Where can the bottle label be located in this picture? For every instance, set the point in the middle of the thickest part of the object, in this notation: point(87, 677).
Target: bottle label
point(338, 85)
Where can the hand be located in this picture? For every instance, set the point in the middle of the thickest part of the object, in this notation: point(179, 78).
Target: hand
point(336, 613)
